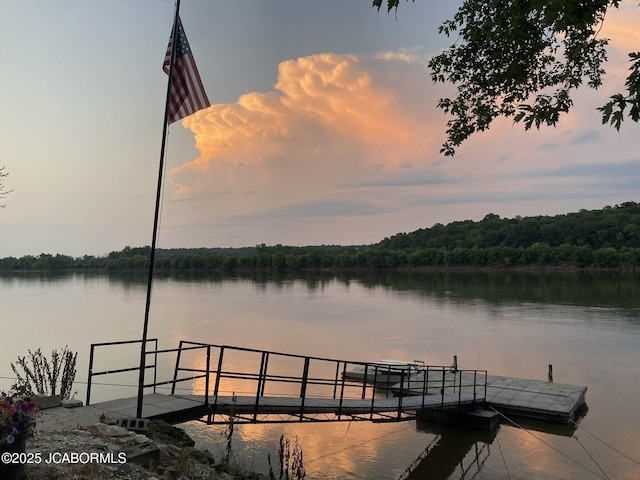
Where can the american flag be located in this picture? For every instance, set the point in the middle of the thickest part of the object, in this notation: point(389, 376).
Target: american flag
point(187, 94)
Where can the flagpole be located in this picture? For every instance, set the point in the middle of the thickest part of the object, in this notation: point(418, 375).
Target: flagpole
point(152, 257)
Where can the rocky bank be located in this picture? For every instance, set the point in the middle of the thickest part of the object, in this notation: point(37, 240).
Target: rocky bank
point(81, 443)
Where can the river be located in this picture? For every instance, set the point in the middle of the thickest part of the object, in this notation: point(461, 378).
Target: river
point(514, 324)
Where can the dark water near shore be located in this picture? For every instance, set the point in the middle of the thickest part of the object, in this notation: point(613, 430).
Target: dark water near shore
point(515, 324)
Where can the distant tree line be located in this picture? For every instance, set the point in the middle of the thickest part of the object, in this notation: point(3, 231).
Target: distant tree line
point(606, 238)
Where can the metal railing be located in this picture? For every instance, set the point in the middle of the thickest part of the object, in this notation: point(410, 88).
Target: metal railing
point(121, 370)
point(219, 372)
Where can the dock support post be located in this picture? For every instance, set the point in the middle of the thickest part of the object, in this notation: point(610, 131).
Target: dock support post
point(551, 373)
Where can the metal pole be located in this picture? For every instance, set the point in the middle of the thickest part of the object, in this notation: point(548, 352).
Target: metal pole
point(401, 393)
point(344, 370)
point(175, 372)
point(154, 237)
point(303, 388)
point(260, 388)
point(207, 376)
point(155, 364)
point(364, 383)
point(264, 376)
point(90, 374)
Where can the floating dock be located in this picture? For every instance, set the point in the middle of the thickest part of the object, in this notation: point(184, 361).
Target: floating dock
point(541, 400)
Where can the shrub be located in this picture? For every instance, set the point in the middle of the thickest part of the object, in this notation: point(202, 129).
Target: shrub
point(40, 375)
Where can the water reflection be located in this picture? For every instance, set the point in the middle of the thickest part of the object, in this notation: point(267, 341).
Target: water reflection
point(454, 453)
point(515, 324)
point(609, 289)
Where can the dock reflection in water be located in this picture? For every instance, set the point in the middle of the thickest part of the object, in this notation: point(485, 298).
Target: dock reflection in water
point(462, 453)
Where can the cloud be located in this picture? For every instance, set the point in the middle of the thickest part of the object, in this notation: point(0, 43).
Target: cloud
point(611, 171)
point(412, 177)
point(587, 136)
point(327, 110)
point(621, 26)
point(330, 208)
point(345, 149)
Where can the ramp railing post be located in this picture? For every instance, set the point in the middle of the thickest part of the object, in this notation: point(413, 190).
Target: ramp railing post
point(344, 370)
point(425, 386)
point(486, 380)
point(90, 374)
point(175, 371)
point(303, 389)
point(364, 383)
point(402, 373)
point(475, 378)
point(442, 390)
point(373, 390)
point(218, 374)
point(261, 381)
point(155, 364)
point(206, 378)
point(335, 382)
point(388, 379)
point(264, 380)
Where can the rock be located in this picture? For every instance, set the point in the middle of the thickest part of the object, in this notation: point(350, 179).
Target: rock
point(144, 454)
point(45, 402)
point(170, 451)
point(111, 430)
point(167, 475)
point(141, 439)
point(161, 431)
point(224, 476)
point(71, 403)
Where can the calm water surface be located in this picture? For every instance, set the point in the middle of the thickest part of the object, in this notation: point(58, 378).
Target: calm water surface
point(588, 327)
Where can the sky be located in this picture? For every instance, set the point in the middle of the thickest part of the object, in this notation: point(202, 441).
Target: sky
point(323, 129)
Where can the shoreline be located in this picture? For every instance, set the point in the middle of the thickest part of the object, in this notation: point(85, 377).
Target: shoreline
point(593, 269)
point(82, 443)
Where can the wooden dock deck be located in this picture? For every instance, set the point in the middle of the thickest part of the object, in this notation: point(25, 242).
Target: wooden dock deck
point(181, 408)
point(555, 402)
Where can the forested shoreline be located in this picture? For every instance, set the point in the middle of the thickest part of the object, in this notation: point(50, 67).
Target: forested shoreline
point(607, 238)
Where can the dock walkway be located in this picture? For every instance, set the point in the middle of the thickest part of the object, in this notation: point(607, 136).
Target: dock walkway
point(279, 387)
point(181, 408)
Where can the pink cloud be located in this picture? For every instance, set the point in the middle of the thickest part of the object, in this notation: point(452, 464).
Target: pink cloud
point(621, 26)
point(367, 111)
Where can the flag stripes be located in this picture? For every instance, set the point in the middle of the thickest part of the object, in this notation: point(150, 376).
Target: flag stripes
point(187, 93)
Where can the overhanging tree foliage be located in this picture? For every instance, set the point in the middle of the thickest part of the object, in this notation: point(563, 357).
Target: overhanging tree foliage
point(521, 59)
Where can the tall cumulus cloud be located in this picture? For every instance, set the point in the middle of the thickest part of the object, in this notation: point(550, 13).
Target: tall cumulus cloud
point(326, 110)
